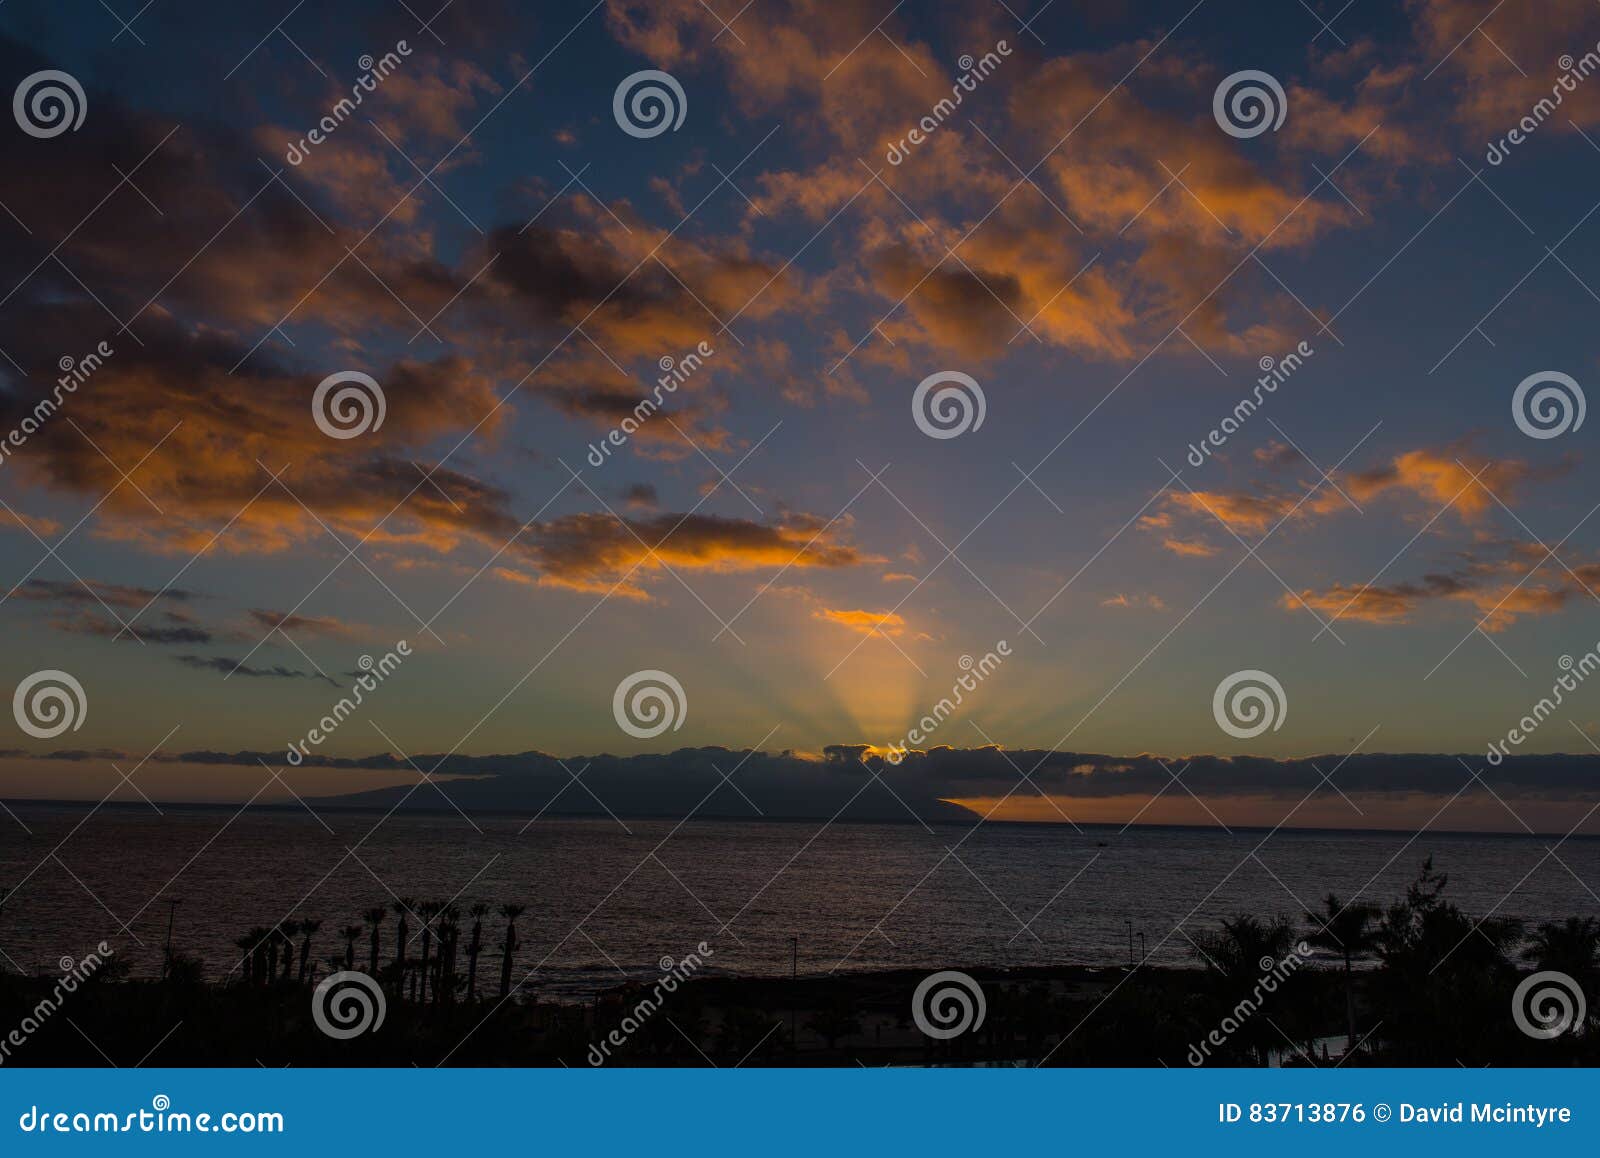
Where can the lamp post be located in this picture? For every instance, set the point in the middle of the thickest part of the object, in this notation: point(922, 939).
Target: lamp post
point(1130, 942)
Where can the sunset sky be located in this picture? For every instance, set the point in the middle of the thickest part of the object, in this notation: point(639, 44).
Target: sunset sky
point(1080, 236)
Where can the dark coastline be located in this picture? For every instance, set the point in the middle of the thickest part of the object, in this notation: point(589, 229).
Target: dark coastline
point(1090, 826)
point(1151, 1016)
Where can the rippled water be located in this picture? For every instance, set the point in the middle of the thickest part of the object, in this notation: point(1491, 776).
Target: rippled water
point(602, 901)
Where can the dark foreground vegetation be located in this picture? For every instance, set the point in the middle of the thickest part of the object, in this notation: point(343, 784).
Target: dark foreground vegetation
point(1418, 982)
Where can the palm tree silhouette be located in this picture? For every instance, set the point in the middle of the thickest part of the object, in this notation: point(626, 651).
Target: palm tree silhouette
point(307, 929)
point(374, 917)
point(1352, 931)
point(350, 933)
point(1571, 947)
point(263, 954)
point(271, 938)
point(449, 933)
point(246, 944)
point(478, 912)
point(403, 907)
point(508, 946)
point(426, 912)
point(1238, 953)
point(287, 931)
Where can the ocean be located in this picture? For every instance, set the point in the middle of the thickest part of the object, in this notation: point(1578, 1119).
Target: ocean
point(604, 904)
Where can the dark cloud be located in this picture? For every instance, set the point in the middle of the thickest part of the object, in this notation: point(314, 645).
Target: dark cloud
point(227, 666)
point(174, 629)
point(91, 591)
point(786, 784)
point(315, 625)
point(640, 496)
point(590, 552)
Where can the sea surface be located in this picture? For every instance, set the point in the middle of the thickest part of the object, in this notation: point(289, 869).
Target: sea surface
point(607, 902)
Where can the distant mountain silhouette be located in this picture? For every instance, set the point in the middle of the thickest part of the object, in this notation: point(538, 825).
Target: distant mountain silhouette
point(713, 782)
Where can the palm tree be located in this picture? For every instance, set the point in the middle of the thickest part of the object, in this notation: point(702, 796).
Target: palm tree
point(263, 954)
point(508, 946)
point(1350, 930)
point(246, 945)
point(426, 912)
point(307, 928)
point(475, 946)
point(449, 934)
point(1570, 947)
point(287, 931)
point(1238, 953)
point(350, 933)
point(403, 907)
point(374, 917)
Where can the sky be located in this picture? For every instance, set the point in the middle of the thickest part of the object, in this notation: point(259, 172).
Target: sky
point(509, 243)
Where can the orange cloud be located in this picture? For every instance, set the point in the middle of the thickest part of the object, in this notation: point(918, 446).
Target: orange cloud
point(1500, 590)
point(1190, 548)
point(591, 552)
point(864, 622)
